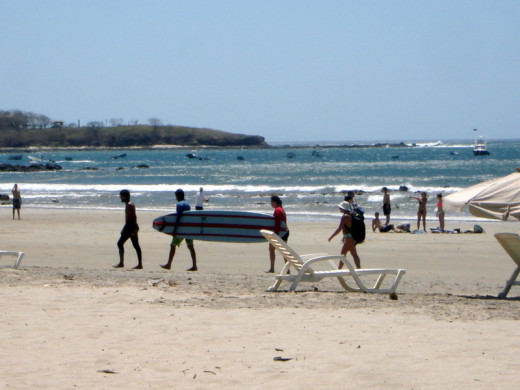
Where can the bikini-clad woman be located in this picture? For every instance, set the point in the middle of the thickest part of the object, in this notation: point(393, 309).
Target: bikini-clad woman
point(421, 211)
point(345, 225)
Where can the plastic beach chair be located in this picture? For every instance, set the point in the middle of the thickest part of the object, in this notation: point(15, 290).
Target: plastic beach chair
point(19, 256)
point(511, 244)
point(305, 273)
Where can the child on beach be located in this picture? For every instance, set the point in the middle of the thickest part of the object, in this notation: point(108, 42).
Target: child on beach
point(129, 231)
point(345, 225)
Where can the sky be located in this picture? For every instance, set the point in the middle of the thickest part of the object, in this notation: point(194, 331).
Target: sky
point(290, 71)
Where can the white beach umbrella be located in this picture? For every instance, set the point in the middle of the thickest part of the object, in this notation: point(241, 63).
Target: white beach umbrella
point(495, 199)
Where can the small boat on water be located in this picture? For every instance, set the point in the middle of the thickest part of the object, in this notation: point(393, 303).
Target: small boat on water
point(480, 147)
point(16, 157)
point(39, 160)
point(194, 155)
point(118, 156)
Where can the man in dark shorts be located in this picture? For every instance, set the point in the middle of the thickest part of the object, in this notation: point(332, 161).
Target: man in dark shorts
point(17, 200)
point(130, 231)
point(386, 205)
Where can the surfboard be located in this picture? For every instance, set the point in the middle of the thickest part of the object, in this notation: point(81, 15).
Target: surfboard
point(223, 226)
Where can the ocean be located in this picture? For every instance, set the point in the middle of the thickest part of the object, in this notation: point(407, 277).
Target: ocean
point(310, 179)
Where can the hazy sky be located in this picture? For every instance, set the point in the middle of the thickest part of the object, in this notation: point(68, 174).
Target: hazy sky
point(287, 70)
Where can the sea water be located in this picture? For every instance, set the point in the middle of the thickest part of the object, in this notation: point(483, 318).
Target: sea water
point(311, 179)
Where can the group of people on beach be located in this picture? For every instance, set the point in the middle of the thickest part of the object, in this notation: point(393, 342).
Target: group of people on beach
point(131, 229)
point(421, 213)
point(348, 208)
point(351, 213)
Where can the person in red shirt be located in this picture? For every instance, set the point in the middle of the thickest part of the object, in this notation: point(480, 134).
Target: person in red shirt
point(279, 216)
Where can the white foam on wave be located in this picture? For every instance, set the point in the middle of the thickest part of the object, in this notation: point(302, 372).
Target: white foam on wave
point(221, 189)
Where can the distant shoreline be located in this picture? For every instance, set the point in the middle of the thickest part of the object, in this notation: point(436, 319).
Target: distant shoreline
point(277, 145)
point(36, 149)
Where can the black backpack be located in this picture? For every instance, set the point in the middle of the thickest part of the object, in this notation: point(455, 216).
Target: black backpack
point(358, 227)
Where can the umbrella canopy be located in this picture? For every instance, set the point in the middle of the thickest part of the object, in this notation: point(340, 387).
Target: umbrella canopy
point(495, 199)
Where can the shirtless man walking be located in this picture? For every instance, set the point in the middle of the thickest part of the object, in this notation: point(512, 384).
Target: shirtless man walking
point(129, 231)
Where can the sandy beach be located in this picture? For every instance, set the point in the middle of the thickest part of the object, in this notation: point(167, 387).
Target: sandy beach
point(70, 320)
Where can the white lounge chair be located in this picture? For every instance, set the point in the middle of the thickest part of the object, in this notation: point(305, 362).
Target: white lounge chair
point(19, 256)
point(304, 272)
point(511, 244)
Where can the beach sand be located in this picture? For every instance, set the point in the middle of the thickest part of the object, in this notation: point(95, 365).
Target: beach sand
point(70, 320)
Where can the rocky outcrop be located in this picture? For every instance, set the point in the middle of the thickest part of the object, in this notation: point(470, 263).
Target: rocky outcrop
point(29, 168)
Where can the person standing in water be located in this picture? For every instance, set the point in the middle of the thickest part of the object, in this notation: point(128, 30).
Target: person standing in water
point(182, 206)
point(130, 231)
point(279, 217)
point(17, 200)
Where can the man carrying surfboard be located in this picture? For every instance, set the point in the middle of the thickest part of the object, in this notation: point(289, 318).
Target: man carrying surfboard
point(279, 217)
point(129, 231)
point(182, 206)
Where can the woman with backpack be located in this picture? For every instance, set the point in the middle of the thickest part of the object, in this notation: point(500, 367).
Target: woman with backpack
point(346, 226)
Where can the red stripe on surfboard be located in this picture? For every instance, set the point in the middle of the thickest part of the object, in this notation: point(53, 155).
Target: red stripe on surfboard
point(215, 225)
point(222, 235)
point(191, 214)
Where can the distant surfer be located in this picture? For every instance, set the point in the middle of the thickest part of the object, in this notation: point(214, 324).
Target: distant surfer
point(130, 231)
point(17, 200)
point(182, 206)
point(279, 216)
point(200, 199)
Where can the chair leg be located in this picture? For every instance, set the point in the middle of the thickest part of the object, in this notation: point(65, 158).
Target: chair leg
point(275, 286)
point(509, 283)
point(379, 281)
point(19, 260)
point(296, 281)
point(19, 256)
point(345, 285)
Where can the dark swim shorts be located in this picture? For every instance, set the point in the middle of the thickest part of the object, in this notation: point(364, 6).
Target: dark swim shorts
point(17, 203)
point(386, 209)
